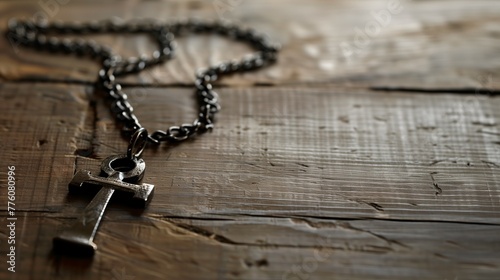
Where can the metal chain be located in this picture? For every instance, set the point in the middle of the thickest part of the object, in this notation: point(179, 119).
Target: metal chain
point(35, 35)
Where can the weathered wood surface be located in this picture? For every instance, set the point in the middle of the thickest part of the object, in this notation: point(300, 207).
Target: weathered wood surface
point(314, 176)
point(288, 174)
point(425, 44)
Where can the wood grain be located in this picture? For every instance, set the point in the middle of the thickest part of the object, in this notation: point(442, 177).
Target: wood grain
point(288, 176)
point(291, 248)
point(382, 165)
point(428, 45)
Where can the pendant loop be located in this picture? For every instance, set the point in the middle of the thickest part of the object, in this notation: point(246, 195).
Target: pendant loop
point(124, 168)
point(137, 144)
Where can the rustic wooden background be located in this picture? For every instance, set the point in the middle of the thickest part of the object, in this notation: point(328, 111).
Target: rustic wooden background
point(379, 165)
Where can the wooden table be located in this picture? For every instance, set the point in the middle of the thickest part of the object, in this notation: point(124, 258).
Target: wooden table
point(370, 156)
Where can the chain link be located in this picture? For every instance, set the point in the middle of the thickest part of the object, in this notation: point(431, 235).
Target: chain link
point(36, 35)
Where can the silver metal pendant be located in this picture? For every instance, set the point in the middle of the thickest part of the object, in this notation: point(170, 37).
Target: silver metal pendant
point(118, 172)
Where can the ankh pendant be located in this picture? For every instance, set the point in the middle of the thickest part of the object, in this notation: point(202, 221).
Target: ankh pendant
point(119, 172)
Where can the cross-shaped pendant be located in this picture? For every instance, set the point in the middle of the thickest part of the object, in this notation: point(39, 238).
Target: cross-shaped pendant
point(119, 173)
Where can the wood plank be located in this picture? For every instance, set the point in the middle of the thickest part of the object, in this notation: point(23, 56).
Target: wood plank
point(310, 151)
point(427, 45)
point(239, 247)
point(304, 162)
point(326, 151)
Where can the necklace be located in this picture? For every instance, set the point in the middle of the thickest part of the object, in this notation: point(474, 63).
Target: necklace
point(125, 171)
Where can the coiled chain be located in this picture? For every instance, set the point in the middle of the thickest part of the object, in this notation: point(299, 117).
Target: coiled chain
point(36, 35)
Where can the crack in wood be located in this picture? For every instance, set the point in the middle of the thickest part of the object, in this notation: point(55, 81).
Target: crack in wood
point(203, 232)
point(368, 248)
point(490, 163)
point(234, 216)
point(389, 241)
point(372, 219)
point(91, 119)
point(435, 184)
point(461, 91)
point(374, 205)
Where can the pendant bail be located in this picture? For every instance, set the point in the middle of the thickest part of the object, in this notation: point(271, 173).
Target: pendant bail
point(137, 143)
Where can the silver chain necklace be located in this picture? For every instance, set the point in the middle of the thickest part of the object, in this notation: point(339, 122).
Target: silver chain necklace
point(125, 171)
